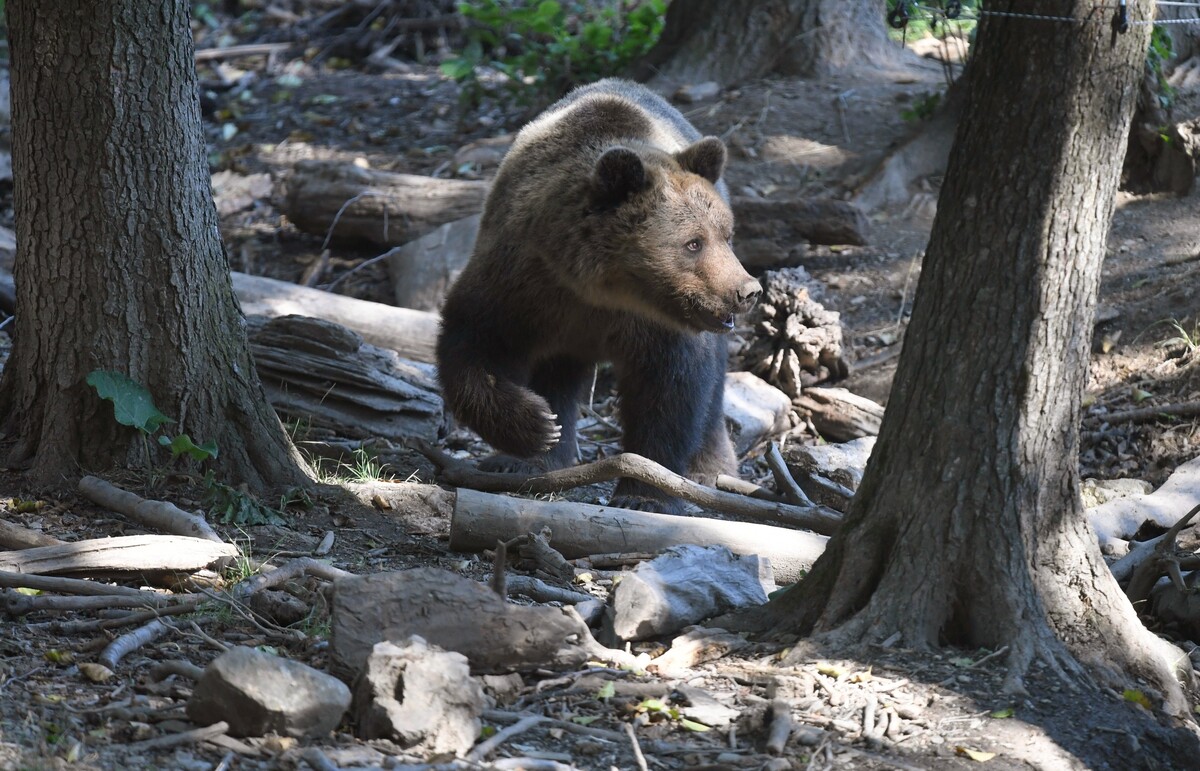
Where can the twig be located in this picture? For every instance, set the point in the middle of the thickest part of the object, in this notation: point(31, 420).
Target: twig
point(173, 740)
point(480, 751)
point(816, 518)
point(1145, 414)
point(784, 481)
point(731, 484)
point(994, 654)
point(165, 669)
point(271, 577)
point(781, 726)
point(11, 580)
point(131, 641)
point(234, 52)
point(540, 591)
point(637, 748)
point(503, 716)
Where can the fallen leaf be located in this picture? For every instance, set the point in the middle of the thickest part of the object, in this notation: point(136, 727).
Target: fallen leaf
point(1137, 697)
point(830, 670)
point(1000, 714)
point(97, 673)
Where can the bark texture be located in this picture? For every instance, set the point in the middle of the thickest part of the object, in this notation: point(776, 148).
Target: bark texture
point(120, 265)
point(734, 40)
point(968, 528)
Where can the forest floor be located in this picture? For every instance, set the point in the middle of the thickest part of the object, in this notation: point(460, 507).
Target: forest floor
point(800, 136)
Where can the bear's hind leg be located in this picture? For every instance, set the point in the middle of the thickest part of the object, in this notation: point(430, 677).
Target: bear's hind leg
point(559, 380)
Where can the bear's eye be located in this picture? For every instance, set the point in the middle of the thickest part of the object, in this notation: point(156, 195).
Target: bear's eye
point(694, 245)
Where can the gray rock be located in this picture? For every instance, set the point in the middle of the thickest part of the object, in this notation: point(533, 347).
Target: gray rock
point(418, 696)
point(841, 462)
point(684, 585)
point(755, 410)
point(257, 693)
point(422, 270)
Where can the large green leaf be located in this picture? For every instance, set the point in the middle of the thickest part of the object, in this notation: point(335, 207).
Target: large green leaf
point(132, 403)
point(183, 444)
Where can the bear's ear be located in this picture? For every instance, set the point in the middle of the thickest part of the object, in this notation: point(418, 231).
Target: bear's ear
point(705, 157)
point(619, 173)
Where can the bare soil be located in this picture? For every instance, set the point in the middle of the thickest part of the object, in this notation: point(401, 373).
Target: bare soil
point(787, 136)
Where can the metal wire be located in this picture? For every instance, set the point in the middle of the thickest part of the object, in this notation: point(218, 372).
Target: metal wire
point(939, 14)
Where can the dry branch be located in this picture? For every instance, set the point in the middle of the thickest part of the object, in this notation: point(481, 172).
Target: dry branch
point(816, 518)
point(1146, 574)
point(68, 586)
point(1146, 414)
point(19, 604)
point(580, 529)
point(127, 553)
point(412, 334)
point(159, 515)
point(126, 643)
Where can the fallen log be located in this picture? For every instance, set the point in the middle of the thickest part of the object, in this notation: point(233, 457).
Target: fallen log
point(135, 553)
point(580, 529)
point(17, 537)
point(838, 415)
point(351, 203)
point(412, 334)
point(160, 515)
point(789, 221)
point(322, 372)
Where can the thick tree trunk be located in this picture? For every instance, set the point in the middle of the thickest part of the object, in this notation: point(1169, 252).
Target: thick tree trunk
point(968, 528)
point(734, 40)
point(120, 265)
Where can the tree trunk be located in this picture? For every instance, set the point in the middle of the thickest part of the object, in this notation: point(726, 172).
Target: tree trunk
point(968, 528)
point(730, 41)
point(120, 265)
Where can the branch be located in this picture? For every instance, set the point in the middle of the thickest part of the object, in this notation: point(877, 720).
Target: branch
point(816, 518)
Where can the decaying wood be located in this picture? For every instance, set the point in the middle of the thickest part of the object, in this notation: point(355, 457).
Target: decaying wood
point(839, 415)
point(321, 372)
point(815, 518)
point(540, 591)
point(159, 515)
point(17, 537)
point(378, 207)
point(797, 341)
point(412, 334)
point(789, 221)
point(142, 553)
point(19, 604)
point(481, 519)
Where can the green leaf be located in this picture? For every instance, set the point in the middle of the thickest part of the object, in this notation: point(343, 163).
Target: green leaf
point(606, 691)
point(652, 705)
point(962, 662)
point(132, 403)
point(692, 725)
point(1001, 714)
point(1137, 697)
point(585, 719)
point(183, 443)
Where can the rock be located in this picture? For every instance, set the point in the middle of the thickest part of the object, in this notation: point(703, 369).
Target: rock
point(233, 192)
point(703, 707)
point(1098, 491)
point(257, 693)
point(455, 613)
point(842, 463)
point(691, 93)
point(422, 270)
point(1171, 606)
point(682, 586)
point(754, 410)
point(280, 607)
point(789, 222)
point(418, 696)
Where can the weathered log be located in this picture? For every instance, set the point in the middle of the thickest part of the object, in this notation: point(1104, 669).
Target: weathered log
point(378, 207)
point(579, 529)
point(412, 334)
point(322, 372)
point(160, 515)
point(422, 270)
point(789, 221)
point(126, 553)
point(839, 415)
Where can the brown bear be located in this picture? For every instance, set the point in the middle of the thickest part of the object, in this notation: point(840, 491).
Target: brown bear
point(605, 237)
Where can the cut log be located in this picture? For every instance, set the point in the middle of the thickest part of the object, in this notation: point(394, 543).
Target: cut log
point(322, 372)
point(412, 334)
point(151, 553)
point(377, 207)
point(580, 529)
point(17, 537)
point(422, 270)
point(160, 515)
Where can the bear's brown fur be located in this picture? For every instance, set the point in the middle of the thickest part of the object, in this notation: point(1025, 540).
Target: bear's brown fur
point(605, 237)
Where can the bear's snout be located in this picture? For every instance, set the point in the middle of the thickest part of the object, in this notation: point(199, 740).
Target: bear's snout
point(747, 295)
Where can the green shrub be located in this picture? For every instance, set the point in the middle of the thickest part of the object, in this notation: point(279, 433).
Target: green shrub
point(543, 49)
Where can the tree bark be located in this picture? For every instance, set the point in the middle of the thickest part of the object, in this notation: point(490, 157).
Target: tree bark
point(730, 41)
point(119, 264)
point(968, 528)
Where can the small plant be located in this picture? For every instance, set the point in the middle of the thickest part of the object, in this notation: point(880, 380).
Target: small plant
point(1189, 340)
point(923, 107)
point(542, 49)
point(231, 506)
point(1158, 55)
point(134, 407)
point(364, 467)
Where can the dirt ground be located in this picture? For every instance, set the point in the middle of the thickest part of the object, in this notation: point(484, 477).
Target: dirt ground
point(786, 135)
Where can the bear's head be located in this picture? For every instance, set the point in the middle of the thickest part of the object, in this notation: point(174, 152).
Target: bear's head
point(662, 235)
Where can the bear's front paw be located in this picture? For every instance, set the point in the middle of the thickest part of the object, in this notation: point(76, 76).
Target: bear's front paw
point(527, 429)
point(646, 503)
